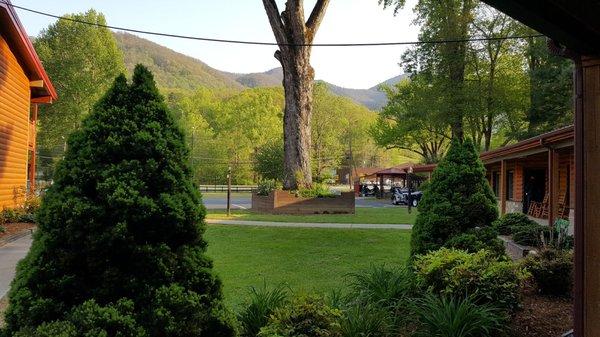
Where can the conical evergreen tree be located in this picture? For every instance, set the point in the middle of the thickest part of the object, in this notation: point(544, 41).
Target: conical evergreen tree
point(121, 227)
point(457, 198)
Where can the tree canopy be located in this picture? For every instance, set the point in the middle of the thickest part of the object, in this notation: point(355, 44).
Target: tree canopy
point(82, 61)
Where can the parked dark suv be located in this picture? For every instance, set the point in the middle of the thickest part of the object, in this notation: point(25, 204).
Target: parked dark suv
point(400, 196)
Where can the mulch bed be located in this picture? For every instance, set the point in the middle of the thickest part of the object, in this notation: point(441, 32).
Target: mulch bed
point(15, 228)
point(543, 316)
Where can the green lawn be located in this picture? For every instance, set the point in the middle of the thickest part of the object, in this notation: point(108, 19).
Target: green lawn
point(308, 259)
point(385, 215)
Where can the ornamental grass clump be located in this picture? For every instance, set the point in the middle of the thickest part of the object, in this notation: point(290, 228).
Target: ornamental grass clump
point(458, 198)
point(121, 232)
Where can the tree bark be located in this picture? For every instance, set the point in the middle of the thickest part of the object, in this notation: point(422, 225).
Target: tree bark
point(294, 38)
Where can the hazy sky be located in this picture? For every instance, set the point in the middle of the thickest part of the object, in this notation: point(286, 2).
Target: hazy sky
point(346, 21)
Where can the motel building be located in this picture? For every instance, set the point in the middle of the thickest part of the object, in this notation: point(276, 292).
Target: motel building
point(536, 176)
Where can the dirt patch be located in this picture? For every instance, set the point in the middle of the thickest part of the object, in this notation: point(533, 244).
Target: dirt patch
point(15, 228)
point(543, 316)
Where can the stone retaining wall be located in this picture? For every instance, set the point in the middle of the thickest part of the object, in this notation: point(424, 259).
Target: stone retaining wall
point(284, 202)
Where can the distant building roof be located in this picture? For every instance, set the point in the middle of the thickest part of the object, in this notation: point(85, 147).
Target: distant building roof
point(404, 168)
point(42, 90)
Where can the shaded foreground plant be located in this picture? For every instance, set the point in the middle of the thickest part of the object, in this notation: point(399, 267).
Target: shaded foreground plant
point(262, 303)
point(448, 316)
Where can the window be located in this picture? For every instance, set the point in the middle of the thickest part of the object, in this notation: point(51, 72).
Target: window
point(496, 183)
point(509, 184)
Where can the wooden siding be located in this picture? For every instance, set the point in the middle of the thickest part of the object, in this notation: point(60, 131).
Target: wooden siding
point(14, 125)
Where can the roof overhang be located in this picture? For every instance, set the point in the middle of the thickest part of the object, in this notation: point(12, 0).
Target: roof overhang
point(574, 24)
point(42, 90)
point(556, 139)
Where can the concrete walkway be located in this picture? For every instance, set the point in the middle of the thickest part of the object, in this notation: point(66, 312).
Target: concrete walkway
point(10, 254)
point(306, 225)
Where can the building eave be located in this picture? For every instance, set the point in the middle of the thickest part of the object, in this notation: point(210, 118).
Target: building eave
point(18, 39)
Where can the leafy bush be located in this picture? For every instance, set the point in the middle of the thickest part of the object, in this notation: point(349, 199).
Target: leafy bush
point(305, 316)
point(267, 186)
point(263, 302)
point(529, 235)
point(552, 271)
point(457, 198)
point(11, 215)
point(2, 229)
point(316, 191)
point(512, 221)
point(489, 278)
point(366, 320)
point(123, 219)
point(477, 239)
point(268, 162)
point(448, 316)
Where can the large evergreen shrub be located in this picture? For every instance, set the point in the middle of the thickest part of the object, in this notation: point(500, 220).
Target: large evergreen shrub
point(122, 223)
point(457, 198)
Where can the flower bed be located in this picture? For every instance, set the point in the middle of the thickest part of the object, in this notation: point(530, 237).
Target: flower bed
point(284, 202)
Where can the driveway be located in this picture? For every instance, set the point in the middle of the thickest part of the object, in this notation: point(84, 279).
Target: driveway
point(10, 254)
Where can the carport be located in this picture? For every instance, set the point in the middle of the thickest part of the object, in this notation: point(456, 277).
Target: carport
point(404, 175)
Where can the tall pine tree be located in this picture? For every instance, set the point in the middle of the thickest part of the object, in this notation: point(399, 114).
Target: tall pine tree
point(120, 231)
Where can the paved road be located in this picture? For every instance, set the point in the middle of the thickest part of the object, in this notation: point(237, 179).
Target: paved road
point(10, 254)
point(219, 200)
point(306, 225)
point(244, 201)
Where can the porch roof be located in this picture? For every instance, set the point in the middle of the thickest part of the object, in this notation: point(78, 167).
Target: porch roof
point(560, 138)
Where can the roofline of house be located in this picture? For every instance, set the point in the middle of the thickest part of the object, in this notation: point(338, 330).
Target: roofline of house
point(543, 141)
point(32, 62)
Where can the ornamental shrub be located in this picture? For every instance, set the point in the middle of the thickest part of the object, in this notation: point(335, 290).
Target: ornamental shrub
point(512, 221)
point(305, 316)
point(457, 198)
point(552, 271)
point(91, 319)
point(529, 235)
point(122, 223)
point(489, 278)
point(476, 239)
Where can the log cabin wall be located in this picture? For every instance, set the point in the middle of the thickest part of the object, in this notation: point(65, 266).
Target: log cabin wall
point(14, 126)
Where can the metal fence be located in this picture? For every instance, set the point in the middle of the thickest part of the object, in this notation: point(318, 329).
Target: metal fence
point(223, 188)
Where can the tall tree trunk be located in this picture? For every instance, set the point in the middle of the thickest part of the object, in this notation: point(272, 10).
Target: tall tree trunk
point(294, 37)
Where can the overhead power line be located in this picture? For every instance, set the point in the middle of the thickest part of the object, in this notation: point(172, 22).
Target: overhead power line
point(262, 43)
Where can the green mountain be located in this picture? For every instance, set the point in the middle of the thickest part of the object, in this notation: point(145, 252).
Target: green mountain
point(175, 70)
point(171, 69)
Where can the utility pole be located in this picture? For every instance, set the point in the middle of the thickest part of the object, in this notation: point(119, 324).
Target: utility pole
point(229, 191)
point(408, 182)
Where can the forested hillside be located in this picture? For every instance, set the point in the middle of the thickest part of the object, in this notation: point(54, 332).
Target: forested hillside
point(171, 69)
point(175, 70)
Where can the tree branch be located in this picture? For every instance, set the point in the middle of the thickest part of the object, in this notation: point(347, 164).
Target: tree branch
point(316, 17)
point(275, 21)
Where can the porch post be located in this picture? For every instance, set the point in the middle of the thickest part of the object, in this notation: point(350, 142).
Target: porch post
point(587, 191)
point(33, 144)
point(553, 181)
point(381, 186)
point(502, 187)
